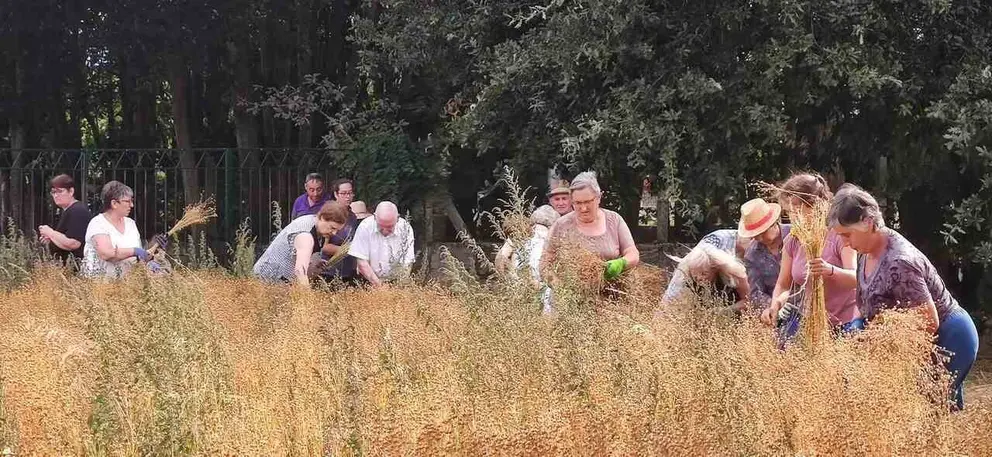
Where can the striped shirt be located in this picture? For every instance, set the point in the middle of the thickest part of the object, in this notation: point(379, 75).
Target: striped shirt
point(278, 262)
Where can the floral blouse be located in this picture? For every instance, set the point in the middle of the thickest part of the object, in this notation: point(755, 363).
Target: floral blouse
point(905, 278)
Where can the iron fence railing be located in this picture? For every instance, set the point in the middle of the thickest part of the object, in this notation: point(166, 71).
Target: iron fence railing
point(244, 183)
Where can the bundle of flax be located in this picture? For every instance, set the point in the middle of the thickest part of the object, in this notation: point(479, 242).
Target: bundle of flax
point(195, 214)
point(810, 229)
point(334, 260)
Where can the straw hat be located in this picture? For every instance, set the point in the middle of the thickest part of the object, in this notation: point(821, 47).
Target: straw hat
point(561, 187)
point(757, 216)
point(358, 207)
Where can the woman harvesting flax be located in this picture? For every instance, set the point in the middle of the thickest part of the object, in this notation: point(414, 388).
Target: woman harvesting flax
point(803, 194)
point(761, 221)
point(113, 243)
point(601, 234)
point(287, 258)
point(892, 273)
point(708, 270)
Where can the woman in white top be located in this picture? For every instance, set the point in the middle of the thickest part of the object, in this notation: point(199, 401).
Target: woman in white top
point(113, 243)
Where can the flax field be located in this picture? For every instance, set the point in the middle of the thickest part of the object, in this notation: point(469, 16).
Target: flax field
point(203, 363)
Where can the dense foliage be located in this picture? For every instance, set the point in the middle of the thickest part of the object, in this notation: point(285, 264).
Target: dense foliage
point(702, 98)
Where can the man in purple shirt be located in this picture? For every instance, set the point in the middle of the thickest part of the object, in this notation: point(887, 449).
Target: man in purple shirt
point(311, 201)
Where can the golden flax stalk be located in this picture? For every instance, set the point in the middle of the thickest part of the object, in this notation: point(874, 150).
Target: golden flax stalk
point(195, 214)
point(809, 227)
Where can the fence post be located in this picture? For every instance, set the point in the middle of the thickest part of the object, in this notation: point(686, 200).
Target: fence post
point(230, 165)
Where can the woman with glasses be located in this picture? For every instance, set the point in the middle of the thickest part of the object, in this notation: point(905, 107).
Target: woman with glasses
point(113, 243)
point(66, 240)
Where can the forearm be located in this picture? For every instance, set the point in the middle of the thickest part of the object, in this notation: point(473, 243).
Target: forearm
point(330, 250)
point(843, 277)
point(743, 290)
point(113, 254)
point(63, 242)
point(300, 270)
point(633, 257)
point(366, 271)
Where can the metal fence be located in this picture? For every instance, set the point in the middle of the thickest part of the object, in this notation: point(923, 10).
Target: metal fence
point(244, 183)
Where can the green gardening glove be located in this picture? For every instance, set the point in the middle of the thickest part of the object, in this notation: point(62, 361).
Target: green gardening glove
point(614, 268)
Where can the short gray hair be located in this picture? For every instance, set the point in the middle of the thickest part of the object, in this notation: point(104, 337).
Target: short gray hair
point(544, 215)
point(852, 206)
point(586, 180)
point(115, 190)
point(314, 177)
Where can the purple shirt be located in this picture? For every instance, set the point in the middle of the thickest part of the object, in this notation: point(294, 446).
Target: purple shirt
point(842, 302)
point(905, 278)
point(348, 266)
point(762, 270)
point(302, 205)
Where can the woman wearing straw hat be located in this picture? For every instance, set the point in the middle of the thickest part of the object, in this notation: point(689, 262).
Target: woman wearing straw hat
point(892, 273)
point(837, 266)
point(761, 221)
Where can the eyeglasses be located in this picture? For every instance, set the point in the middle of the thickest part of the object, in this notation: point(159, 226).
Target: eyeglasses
point(346, 193)
point(125, 200)
point(58, 190)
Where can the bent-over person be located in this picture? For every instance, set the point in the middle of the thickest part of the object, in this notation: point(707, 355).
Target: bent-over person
point(383, 245)
point(761, 221)
point(287, 258)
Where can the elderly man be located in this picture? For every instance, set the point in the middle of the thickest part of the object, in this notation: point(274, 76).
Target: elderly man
point(311, 200)
point(382, 243)
point(560, 199)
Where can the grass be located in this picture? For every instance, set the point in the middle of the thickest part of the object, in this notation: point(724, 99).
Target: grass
point(206, 364)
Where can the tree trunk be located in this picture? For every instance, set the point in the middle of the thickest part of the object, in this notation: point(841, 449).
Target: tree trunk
point(18, 141)
point(304, 58)
point(662, 216)
point(453, 215)
point(179, 79)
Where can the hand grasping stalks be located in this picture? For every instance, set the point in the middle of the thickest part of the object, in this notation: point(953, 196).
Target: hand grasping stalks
point(809, 227)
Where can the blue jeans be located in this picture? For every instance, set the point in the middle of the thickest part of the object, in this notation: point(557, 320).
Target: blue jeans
point(958, 335)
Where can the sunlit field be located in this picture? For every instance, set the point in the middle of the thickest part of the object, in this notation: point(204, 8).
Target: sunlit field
point(201, 363)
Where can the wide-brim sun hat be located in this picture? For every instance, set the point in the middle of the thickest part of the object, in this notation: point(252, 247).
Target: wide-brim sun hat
point(361, 212)
point(757, 216)
point(560, 188)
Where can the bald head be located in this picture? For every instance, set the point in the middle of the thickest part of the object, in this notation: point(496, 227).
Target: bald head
point(386, 216)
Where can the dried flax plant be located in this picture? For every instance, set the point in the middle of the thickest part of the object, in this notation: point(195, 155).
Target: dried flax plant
point(809, 227)
point(195, 214)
